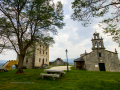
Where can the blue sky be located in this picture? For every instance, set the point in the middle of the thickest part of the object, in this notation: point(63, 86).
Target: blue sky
point(73, 37)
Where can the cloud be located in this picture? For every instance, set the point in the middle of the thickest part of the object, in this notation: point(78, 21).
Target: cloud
point(67, 17)
point(62, 1)
point(8, 55)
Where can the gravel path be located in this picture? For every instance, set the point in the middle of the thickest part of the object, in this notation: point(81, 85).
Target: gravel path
point(61, 67)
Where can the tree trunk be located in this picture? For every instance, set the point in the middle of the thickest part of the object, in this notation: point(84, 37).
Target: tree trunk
point(20, 65)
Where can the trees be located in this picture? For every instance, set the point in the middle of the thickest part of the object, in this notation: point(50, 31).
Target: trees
point(25, 22)
point(86, 10)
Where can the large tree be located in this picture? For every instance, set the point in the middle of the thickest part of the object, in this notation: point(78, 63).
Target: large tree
point(86, 10)
point(26, 22)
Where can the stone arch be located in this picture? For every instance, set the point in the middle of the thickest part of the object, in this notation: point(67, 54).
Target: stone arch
point(10, 63)
point(99, 43)
point(95, 43)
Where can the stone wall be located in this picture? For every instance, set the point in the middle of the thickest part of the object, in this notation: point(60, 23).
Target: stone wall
point(110, 59)
point(43, 55)
point(58, 61)
point(35, 58)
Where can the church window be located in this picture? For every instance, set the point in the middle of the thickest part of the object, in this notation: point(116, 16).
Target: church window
point(40, 51)
point(43, 52)
point(46, 53)
point(46, 60)
point(40, 45)
point(99, 54)
point(100, 43)
point(39, 59)
point(95, 43)
point(26, 60)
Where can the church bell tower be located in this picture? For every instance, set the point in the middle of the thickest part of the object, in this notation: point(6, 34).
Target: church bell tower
point(97, 42)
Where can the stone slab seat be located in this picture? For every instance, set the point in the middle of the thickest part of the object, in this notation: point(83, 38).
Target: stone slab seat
point(3, 70)
point(51, 70)
point(62, 73)
point(50, 75)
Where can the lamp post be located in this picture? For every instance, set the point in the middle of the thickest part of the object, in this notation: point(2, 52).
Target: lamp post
point(67, 60)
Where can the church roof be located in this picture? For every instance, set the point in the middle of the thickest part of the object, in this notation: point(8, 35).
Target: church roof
point(79, 59)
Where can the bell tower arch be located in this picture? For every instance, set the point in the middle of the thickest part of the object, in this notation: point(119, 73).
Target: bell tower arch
point(97, 42)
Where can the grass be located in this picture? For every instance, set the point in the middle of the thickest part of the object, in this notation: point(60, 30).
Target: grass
point(72, 80)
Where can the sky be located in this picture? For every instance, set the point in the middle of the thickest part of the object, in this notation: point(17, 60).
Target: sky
point(74, 37)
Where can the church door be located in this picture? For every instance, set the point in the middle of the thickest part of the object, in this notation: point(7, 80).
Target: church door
point(102, 66)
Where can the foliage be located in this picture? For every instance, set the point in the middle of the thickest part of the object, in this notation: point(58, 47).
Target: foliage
point(26, 22)
point(86, 10)
point(83, 80)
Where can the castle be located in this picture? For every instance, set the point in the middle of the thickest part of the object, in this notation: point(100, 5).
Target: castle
point(37, 57)
point(99, 59)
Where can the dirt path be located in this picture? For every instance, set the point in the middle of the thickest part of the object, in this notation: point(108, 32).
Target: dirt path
point(61, 67)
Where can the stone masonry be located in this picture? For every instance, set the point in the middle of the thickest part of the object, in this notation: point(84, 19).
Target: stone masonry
point(37, 58)
point(99, 59)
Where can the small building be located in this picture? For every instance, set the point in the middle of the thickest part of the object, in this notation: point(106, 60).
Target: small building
point(37, 57)
point(58, 61)
point(99, 59)
point(79, 63)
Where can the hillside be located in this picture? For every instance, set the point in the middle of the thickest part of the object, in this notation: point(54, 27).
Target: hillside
point(72, 80)
point(3, 61)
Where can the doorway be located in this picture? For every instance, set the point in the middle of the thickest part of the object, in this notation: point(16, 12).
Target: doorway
point(43, 61)
point(102, 66)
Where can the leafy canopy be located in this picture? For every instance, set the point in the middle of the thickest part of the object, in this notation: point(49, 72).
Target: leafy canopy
point(25, 22)
point(86, 10)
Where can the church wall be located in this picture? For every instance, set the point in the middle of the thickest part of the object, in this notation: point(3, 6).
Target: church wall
point(99, 58)
point(91, 61)
point(110, 59)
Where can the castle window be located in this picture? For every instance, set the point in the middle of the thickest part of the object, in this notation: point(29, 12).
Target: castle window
point(26, 60)
point(46, 60)
point(43, 52)
point(46, 53)
point(40, 51)
point(43, 46)
point(99, 54)
point(39, 59)
point(40, 45)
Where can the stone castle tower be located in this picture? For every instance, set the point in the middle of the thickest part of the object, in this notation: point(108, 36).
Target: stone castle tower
point(39, 56)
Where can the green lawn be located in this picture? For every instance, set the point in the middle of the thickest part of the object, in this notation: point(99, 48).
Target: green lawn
point(72, 80)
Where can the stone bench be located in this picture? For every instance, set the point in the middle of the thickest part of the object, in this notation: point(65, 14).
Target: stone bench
point(50, 75)
point(62, 73)
point(3, 70)
point(52, 71)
